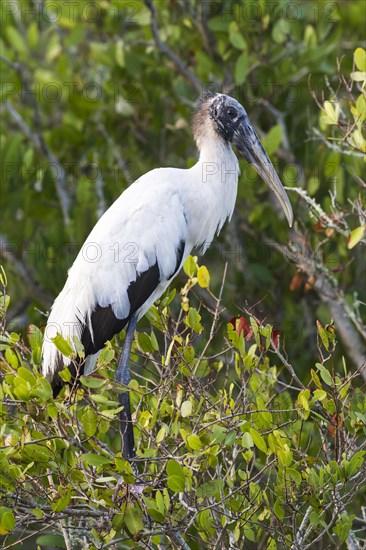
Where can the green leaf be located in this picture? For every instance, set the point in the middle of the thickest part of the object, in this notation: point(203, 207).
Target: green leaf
point(155, 514)
point(62, 500)
point(145, 343)
point(176, 484)
point(119, 53)
point(278, 510)
point(133, 519)
point(316, 379)
point(91, 459)
point(65, 374)
point(241, 68)
point(174, 468)
point(324, 373)
point(281, 30)
point(11, 358)
point(323, 335)
point(27, 375)
point(343, 526)
point(92, 381)
point(358, 76)
point(176, 478)
point(284, 456)
point(190, 266)
point(294, 475)
point(89, 420)
point(193, 320)
point(15, 39)
point(235, 37)
point(247, 441)
point(194, 442)
point(273, 139)
point(7, 520)
point(210, 489)
point(106, 355)
point(35, 337)
point(313, 185)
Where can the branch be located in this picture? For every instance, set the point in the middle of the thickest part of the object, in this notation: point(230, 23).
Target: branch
point(178, 540)
point(164, 48)
point(36, 137)
point(318, 212)
point(300, 535)
point(349, 328)
point(32, 286)
point(122, 165)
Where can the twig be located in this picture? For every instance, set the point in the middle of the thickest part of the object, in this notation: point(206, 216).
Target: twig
point(55, 166)
point(300, 535)
point(122, 165)
point(36, 137)
point(318, 211)
point(65, 534)
point(178, 539)
point(349, 328)
point(25, 274)
point(164, 48)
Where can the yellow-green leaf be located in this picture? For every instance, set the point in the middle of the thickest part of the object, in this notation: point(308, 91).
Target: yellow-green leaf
point(332, 112)
point(203, 277)
point(194, 442)
point(258, 440)
point(186, 409)
point(62, 345)
point(355, 236)
point(319, 395)
point(360, 59)
point(358, 76)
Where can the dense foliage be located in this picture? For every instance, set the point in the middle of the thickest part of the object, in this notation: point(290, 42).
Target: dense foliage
point(250, 433)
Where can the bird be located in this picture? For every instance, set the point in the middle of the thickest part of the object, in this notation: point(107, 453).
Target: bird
point(141, 242)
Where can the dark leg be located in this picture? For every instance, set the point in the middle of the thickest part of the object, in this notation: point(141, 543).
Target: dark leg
point(123, 377)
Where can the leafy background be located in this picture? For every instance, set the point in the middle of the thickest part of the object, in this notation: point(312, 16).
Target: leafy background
point(97, 93)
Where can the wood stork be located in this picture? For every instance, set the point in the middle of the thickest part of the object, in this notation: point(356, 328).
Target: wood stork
point(139, 245)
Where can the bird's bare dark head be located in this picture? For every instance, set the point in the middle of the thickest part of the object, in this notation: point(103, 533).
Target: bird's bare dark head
point(227, 115)
point(230, 122)
point(219, 112)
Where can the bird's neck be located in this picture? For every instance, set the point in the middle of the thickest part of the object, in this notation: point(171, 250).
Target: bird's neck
point(217, 162)
point(212, 191)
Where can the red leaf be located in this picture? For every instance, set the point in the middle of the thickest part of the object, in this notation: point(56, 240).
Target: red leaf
point(242, 326)
point(276, 338)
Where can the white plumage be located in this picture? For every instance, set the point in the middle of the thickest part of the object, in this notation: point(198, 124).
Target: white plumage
point(141, 242)
point(143, 226)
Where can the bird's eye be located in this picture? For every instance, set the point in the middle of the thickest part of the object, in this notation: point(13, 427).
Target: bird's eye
point(231, 112)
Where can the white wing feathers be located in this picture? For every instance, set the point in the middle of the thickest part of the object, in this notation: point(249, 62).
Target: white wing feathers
point(144, 226)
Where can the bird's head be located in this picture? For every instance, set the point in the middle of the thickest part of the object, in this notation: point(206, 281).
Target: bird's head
point(231, 124)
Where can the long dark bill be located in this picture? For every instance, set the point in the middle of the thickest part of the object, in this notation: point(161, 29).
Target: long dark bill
point(248, 144)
